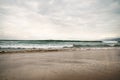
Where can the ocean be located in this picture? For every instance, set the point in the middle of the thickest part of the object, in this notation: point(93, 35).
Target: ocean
point(45, 44)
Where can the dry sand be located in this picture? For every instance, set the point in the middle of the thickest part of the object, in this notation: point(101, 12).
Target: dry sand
point(100, 64)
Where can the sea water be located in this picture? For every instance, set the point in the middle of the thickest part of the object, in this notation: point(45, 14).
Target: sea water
point(11, 44)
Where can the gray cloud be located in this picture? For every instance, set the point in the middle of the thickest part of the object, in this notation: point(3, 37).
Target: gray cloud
point(60, 19)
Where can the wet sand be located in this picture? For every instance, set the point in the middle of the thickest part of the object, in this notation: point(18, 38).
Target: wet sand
point(95, 64)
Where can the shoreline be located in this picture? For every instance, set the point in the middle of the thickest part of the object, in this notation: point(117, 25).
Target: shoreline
point(30, 50)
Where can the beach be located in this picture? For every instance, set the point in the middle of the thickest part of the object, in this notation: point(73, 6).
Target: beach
point(67, 64)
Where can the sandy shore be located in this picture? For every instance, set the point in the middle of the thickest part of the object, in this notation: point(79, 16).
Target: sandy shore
point(94, 64)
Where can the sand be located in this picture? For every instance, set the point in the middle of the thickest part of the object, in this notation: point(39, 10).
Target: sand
point(92, 64)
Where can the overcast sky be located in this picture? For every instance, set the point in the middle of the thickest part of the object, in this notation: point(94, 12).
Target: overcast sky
point(59, 19)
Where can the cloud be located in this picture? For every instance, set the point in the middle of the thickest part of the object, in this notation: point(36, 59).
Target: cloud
point(59, 19)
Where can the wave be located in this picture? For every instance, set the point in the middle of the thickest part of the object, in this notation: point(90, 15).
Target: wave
point(110, 45)
point(55, 46)
point(34, 46)
point(45, 44)
point(110, 42)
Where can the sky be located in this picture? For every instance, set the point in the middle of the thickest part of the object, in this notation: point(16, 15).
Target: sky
point(59, 19)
